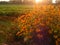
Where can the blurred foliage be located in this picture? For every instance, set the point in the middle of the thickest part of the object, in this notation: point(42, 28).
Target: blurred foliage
point(48, 15)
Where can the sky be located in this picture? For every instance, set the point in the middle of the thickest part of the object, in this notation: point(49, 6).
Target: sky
point(4, 0)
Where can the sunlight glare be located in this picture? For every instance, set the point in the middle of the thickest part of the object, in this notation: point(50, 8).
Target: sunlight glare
point(37, 1)
point(53, 1)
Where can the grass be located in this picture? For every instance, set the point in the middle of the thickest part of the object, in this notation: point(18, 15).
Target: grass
point(15, 9)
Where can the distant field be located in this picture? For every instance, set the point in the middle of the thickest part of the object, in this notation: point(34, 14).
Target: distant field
point(14, 9)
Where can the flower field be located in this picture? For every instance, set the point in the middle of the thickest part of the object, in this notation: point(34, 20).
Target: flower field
point(30, 22)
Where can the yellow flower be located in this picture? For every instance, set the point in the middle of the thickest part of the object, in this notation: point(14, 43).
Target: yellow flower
point(23, 21)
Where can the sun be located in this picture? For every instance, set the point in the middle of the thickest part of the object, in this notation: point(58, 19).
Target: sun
point(37, 1)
